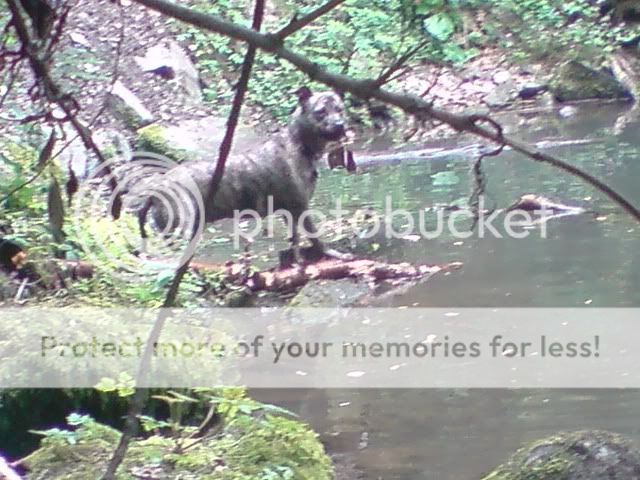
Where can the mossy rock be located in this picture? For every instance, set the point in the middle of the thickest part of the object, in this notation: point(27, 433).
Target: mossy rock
point(575, 81)
point(581, 455)
point(325, 293)
point(155, 138)
point(270, 447)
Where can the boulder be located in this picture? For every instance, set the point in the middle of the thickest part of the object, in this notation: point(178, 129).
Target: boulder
point(581, 455)
point(502, 95)
point(567, 111)
point(345, 292)
point(192, 139)
point(626, 67)
point(127, 107)
point(531, 90)
point(577, 81)
point(170, 61)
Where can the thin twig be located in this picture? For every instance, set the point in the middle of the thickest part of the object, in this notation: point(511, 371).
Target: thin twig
point(137, 402)
point(399, 64)
point(298, 23)
point(238, 100)
point(52, 91)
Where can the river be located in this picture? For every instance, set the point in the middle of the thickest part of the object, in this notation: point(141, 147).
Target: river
point(586, 261)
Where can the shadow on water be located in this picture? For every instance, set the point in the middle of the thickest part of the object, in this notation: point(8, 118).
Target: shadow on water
point(453, 435)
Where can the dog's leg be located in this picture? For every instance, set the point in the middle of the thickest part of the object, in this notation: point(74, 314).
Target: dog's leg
point(289, 256)
point(317, 249)
point(142, 222)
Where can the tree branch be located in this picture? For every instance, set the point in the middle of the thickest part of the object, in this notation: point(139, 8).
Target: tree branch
point(238, 100)
point(299, 23)
point(53, 93)
point(385, 77)
point(137, 402)
point(366, 89)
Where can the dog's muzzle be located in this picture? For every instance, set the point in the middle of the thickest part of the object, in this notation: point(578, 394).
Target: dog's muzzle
point(336, 132)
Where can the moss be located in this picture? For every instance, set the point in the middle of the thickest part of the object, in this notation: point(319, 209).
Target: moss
point(575, 81)
point(585, 455)
point(271, 447)
point(153, 138)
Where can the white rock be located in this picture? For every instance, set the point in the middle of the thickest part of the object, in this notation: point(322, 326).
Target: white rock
point(501, 76)
point(171, 55)
point(120, 94)
point(567, 111)
point(80, 39)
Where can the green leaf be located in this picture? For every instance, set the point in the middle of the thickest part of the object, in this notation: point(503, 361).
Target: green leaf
point(55, 209)
point(106, 385)
point(75, 419)
point(45, 153)
point(440, 25)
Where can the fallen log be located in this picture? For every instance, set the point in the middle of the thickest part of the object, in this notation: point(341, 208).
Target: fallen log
point(53, 274)
point(296, 276)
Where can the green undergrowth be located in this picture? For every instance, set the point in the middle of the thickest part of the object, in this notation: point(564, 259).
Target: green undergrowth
point(249, 440)
point(360, 38)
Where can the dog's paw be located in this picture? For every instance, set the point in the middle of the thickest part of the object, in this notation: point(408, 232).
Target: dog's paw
point(287, 257)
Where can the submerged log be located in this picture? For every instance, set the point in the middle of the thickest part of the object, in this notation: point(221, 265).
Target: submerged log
point(542, 205)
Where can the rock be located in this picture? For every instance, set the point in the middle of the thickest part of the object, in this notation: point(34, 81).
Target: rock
point(531, 90)
point(546, 100)
point(323, 293)
point(582, 455)
point(567, 111)
point(576, 81)
point(192, 139)
point(626, 67)
point(501, 77)
point(79, 39)
point(8, 288)
point(113, 145)
point(537, 203)
point(501, 96)
point(170, 61)
point(126, 106)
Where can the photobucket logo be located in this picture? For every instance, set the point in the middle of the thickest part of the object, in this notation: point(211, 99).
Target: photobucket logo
point(139, 178)
point(396, 223)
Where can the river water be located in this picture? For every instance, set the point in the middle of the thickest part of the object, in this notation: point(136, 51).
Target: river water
point(586, 261)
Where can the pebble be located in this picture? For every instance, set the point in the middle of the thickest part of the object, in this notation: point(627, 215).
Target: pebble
point(501, 77)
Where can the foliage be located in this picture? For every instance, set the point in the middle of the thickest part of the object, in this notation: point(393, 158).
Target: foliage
point(254, 443)
point(360, 38)
point(575, 27)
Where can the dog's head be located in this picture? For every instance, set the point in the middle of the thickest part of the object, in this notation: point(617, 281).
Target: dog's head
point(323, 112)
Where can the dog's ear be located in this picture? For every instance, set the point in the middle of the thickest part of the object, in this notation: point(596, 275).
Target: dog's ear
point(304, 94)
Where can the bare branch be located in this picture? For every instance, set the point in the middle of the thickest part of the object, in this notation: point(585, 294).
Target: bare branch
point(399, 64)
point(238, 100)
point(53, 93)
point(366, 89)
point(299, 23)
point(137, 402)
